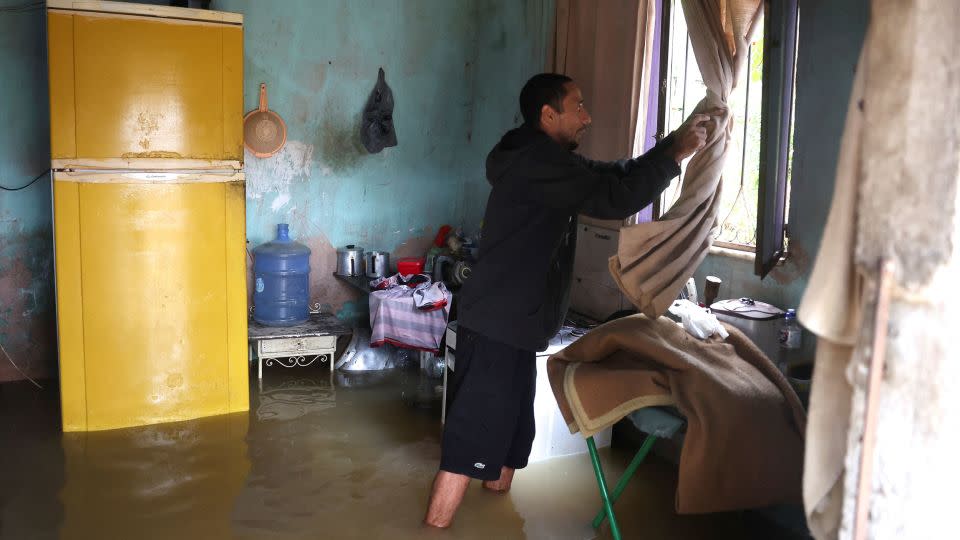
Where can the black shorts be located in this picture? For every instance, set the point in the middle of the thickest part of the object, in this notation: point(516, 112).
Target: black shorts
point(490, 417)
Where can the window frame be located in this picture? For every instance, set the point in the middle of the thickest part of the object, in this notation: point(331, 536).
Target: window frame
point(776, 129)
point(776, 126)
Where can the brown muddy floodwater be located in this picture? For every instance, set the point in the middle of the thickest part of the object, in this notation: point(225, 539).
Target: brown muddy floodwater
point(309, 460)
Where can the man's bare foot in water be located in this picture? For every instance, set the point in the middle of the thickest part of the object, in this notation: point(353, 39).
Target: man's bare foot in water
point(501, 485)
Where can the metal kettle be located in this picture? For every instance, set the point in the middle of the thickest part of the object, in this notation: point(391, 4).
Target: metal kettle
point(350, 260)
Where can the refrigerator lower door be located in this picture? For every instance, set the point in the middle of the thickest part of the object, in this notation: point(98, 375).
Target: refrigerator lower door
point(151, 296)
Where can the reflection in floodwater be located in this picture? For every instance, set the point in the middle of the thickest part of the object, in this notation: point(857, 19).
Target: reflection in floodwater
point(294, 398)
point(309, 460)
point(176, 480)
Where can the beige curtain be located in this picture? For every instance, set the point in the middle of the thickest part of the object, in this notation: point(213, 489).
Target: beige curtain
point(831, 308)
point(655, 259)
point(605, 46)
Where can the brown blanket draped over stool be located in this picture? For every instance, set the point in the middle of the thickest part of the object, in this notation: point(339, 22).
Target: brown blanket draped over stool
point(744, 442)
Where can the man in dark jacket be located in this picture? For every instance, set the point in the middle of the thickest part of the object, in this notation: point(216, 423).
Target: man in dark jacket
point(517, 296)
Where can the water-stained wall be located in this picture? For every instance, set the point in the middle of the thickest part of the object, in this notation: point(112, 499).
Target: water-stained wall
point(27, 329)
point(455, 69)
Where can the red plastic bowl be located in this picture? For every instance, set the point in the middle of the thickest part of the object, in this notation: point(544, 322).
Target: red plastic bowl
point(410, 265)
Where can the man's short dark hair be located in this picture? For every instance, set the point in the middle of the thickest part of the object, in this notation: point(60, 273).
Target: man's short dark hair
point(540, 90)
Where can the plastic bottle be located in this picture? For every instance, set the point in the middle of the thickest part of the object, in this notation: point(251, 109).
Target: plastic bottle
point(281, 271)
point(790, 331)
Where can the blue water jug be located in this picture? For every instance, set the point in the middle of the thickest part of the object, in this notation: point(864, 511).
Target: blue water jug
point(281, 280)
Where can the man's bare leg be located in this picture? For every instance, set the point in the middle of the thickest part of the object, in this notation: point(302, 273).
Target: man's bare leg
point(445, 498)
point(501, 485)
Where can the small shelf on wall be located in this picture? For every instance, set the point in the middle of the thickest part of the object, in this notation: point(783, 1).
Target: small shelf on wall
point(361, 283)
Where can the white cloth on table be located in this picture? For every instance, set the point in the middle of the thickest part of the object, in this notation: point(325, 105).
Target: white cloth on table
point(432, 297)
point(396, 316)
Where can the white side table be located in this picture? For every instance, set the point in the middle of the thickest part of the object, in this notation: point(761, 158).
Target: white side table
point(296, 346)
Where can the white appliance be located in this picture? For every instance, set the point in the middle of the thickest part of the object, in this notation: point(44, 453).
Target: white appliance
point(553, 438)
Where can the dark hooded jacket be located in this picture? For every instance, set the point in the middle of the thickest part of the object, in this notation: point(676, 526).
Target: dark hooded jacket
point(519, 290)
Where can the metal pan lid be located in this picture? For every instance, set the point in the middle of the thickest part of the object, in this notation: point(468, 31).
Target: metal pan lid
point(747, 308)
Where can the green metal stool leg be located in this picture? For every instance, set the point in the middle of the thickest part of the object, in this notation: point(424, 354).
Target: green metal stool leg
point(627, 475)
point(607, 505)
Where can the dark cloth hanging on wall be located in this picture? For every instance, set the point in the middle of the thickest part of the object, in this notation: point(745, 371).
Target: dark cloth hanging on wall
point(377, 132)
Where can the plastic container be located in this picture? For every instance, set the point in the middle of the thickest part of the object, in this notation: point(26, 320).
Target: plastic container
point(790, 331)
point(410, 265)
point(281, 277)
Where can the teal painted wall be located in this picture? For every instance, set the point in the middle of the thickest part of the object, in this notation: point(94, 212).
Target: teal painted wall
point(830, 37)
point(455, 68)
point(26, 242)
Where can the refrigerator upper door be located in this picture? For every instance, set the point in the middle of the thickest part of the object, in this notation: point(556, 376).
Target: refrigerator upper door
point(128, 88)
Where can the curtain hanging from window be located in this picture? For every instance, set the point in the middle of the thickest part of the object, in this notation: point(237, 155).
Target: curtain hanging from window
point(832, 308)
point(607, 48)
point(655, 259)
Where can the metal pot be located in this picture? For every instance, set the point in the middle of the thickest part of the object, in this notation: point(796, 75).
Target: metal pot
point(350, 261)
point(377, 263)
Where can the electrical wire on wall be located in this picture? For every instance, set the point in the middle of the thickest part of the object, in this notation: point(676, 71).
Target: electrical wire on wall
point(14, 364)
point(22, 8)
point(28, 184)
point(5, 353)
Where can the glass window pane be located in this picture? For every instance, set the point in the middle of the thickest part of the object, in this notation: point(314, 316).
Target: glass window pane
point(685, 89)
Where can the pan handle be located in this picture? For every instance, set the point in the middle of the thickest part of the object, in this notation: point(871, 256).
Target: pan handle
point(263, 97)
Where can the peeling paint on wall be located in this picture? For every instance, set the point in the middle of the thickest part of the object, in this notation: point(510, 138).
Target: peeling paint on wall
point(275, 173)
point(280, 201)
point(27, 329)
point(455, 79)
point(324, 289)
point(26, 304)
point(455, 94)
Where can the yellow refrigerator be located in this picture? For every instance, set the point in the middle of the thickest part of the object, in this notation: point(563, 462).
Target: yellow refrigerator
point(149, 217)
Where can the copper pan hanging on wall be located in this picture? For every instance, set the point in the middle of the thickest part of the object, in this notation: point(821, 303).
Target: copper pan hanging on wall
point(264, 132)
